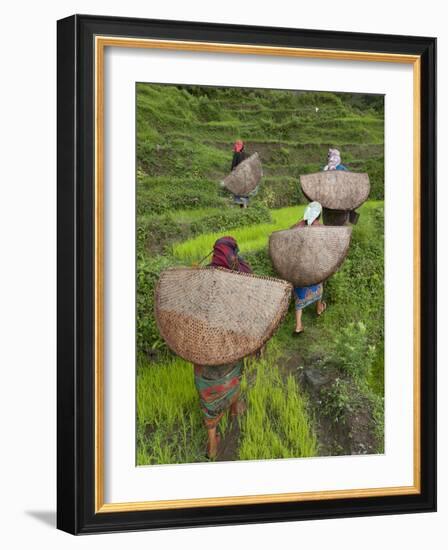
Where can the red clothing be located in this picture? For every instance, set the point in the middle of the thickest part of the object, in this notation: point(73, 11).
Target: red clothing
point(225, 254)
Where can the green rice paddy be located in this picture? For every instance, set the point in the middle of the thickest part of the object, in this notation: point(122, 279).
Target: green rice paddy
point(249, 238)
point(184, 138)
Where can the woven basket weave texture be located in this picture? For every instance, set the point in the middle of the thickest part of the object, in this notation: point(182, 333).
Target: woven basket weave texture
point(309, 255)
point(336, 189)
point(214, 316)
point(246, 176)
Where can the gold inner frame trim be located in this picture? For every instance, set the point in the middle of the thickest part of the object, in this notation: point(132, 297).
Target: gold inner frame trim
point(101, 42)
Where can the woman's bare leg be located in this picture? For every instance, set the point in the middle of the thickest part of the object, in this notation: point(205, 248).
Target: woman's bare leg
point(299, 326)
point(320, 306)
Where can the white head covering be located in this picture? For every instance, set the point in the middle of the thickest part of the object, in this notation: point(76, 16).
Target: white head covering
point(312, 212)
point(334, 159)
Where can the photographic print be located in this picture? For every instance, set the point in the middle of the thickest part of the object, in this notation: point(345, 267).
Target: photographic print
point(246, 274)
point(260, 274)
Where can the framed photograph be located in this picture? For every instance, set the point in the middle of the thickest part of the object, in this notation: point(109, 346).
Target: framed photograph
point(246, 274)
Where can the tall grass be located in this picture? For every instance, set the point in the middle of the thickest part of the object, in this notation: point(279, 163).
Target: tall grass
point(193, 215)
point(169, 421)
point(248, 238)
point(276, 423)
point(256, 237)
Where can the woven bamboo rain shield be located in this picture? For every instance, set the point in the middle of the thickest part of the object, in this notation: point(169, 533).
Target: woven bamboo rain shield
point(336, 189)
point(214, 316)
point(309, 255)
point(246, 176)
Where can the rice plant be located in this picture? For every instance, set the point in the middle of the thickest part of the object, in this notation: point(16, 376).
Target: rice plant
point(170, 427)
point(249, 238)
point(169, 420)
point(276, 423)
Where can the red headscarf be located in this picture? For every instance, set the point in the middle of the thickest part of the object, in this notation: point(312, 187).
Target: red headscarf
point(225, 254)
point(238, 146)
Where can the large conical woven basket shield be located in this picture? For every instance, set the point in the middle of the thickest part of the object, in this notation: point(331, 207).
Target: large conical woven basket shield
point(214, 316)
point(309, 255)
point(336, 189)
point(246, 176)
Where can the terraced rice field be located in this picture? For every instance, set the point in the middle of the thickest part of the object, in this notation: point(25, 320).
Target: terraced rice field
point(184, 138)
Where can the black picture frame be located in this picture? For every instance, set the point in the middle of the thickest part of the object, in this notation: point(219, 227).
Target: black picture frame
point(76, 271)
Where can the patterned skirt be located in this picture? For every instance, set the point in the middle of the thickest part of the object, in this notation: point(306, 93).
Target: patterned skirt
point(219, 388)
point(307, 295)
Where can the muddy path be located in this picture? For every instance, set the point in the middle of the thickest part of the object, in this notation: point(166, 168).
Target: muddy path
point(228, 449)
point(342, 417)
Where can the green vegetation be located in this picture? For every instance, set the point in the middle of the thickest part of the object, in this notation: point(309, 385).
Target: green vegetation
point(184, 137)
point(154, 232)
point(169, 423)
point(276, 404)
point(170, 428)
point(252, 237)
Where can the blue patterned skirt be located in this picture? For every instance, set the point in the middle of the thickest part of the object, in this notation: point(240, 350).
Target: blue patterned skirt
point(307, 295)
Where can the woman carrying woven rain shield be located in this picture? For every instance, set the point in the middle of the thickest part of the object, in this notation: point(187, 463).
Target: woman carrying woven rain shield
point(219, 386)
point(306, 295)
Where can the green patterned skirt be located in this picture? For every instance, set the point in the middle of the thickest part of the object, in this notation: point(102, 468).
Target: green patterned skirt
point(219, 388)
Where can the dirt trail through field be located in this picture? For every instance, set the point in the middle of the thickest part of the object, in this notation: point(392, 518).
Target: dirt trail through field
point(353, 432)
point(230, 442)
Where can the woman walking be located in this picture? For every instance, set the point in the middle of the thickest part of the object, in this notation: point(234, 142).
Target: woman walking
point(334, 161)
point(219, 386)
point(337, 217)
point(239, 154)
point(306, 295)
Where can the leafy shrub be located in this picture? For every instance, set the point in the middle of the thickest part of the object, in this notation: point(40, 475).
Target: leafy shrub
point(352, 350)
point(279, 192)
point(363, 102)
point(154, 233)
point(337, 400)
point(158, 199)
point(375, 169)
point(363, 273)
point(356, 298)
point(260, 262)
point(148, 272)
